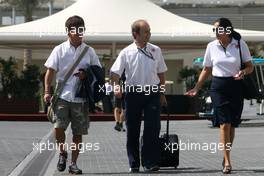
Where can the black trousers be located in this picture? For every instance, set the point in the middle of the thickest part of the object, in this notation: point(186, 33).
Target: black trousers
point(136, 105)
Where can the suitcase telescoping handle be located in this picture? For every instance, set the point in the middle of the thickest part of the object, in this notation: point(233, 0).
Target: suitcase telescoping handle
point(168, 120)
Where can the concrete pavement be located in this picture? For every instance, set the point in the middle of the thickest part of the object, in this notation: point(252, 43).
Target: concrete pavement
point(106, 153)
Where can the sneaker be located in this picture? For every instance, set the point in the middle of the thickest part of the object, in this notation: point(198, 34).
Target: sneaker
point(151, 169)
point(117, 127)
point(61, 166)
point(73, 169)
point(121, 127)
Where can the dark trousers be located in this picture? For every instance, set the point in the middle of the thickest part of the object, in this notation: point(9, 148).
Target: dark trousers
point(136, 105)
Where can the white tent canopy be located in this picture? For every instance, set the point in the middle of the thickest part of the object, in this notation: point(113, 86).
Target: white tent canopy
point(109, 21)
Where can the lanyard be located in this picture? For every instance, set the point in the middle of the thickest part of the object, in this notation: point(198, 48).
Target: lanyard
point(148, 54)
point(223, 47)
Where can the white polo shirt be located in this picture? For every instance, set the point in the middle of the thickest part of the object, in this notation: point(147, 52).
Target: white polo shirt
point(225, 63)
point(141, 65)
point(61, 58)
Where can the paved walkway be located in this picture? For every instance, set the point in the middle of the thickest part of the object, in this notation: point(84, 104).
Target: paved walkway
point(247, 154)
point(16, 141)
point(111, 159)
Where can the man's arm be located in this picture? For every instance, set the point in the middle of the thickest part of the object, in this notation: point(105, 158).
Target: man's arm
point(162, 78)
point(117, 70)
point(163, 100)
point(115, 82)
point(115, 78)
point(48, 80)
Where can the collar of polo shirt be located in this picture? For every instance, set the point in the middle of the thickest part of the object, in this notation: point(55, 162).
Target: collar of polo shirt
point(145, 47)
point(69, 45)
point(233, 42)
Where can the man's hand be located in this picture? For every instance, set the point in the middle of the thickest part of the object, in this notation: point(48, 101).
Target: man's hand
point(48, 79)
point(47, 98)
point(163, 101)
point(80, 74)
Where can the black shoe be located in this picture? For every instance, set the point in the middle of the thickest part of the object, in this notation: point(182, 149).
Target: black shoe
point(151, 169)
point(61, 166)
point(73, 169)
point(134, 170)
point(117, 127)
point(223, 163)
point(121, 127)
point(227, 170)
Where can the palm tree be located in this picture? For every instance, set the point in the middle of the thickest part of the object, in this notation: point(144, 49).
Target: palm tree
point(27, 7)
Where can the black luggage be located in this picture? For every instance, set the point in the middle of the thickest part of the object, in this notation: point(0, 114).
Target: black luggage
point(169, 148)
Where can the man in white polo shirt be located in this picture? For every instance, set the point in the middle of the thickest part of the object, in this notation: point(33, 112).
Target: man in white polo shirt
point(70, 108)
point(144, 69)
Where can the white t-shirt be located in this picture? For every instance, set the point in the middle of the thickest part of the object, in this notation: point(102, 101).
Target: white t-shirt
point(225, 63)
point(141, 65)
point(61, 58)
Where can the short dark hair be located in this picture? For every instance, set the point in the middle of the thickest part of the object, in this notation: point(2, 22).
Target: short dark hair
point(74, 21)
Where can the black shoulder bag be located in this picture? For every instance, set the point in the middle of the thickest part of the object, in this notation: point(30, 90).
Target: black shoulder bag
point(249, 87)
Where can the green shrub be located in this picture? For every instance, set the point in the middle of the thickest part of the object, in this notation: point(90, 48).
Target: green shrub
point(23, 86)
point(190, 77)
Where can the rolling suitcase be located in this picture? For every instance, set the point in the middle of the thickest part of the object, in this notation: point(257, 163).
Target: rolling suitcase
point(169, 147)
